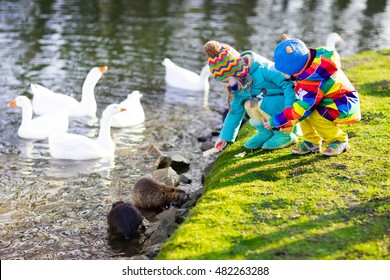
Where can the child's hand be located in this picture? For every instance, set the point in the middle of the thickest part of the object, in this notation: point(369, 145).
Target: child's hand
point(267, 125)
point(220, 144)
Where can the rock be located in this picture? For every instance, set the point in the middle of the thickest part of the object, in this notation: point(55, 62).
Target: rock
point(207, 145)
point(206, 171)
point(180, 164)
point(181, 215)
point(142, 239)
point(154, 151)
point(193, 199)
point(215, 133)
point(139, 257)
point(169, 214)
point(190, 203)
point(151, 229)
point(163, 161)
point(162, 232)
point(184, 179)
point(152, 251)
point(167, 176)
point(202, 138)
point(167, 146)
point(197, 194)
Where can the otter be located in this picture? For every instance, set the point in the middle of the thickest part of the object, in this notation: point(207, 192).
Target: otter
point(149, 193)
point(124, 219)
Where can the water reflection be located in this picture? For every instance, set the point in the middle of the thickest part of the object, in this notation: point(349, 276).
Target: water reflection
point(55, 209)
point(72, 168)
point(179, 97)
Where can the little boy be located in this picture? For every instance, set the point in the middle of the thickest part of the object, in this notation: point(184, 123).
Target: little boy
point(326, 98)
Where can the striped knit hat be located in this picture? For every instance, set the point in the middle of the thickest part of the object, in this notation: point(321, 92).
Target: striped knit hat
point(224, 61)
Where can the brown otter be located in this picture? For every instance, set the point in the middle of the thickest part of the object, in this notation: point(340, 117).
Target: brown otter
point(124, 219)
point(149, 193)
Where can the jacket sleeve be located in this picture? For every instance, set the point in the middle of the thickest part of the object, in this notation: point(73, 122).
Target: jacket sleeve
point(276, 77)
point(232, 121)
point(309, 96)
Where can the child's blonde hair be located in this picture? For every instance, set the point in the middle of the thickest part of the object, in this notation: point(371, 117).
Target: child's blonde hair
point(243, 83)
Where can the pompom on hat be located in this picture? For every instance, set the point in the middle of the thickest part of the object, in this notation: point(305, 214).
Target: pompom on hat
point(224, 61)
point(291, 56)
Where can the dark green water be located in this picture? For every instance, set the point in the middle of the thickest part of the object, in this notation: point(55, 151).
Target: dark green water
point(53, 209)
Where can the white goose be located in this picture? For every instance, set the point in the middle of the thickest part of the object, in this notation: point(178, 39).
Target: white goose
point(332, 39)
point(40, 127)
point(79, 147)
point(178, 77)
point(134, 113)
point(46, 101)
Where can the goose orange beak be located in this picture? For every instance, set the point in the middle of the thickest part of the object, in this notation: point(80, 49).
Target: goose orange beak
point(103, 69)
point(12, 103)
point(123, 109)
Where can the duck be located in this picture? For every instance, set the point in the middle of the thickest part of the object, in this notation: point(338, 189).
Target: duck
point(134, 113)
point(80, 147)
point(333, 39)
point(46, 101)
point(40, 127)
point(179, 77)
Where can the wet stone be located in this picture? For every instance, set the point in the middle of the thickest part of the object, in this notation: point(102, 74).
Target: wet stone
point(169, 214)
point(140, 257)
point(181, 215)
point(154, 151)
point(184, 179)
point(180, 164)
point(152, 251)
point(206, 171)
point(162, 232)
point(164, 161)
point(207, 145)
point(167, 176)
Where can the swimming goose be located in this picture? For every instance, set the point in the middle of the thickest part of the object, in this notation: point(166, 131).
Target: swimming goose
point(79, 147)
point(40, 127)
point(46, 101)
point(134, 113)
point(178, 77)
point(332, 39)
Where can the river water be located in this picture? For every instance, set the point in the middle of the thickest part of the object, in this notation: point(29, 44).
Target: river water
point(56, 209)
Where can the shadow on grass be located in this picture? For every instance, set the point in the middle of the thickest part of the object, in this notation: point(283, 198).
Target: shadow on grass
point(365, 223)
point(261, 170)
point(377, 89)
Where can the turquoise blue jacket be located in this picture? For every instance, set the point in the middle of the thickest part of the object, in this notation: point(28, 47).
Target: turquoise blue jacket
point(278, 93)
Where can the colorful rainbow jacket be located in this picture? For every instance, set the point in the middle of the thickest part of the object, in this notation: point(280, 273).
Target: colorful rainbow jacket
point(324, 87)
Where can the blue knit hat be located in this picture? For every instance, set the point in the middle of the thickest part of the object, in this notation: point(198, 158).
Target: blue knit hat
point(291, 56)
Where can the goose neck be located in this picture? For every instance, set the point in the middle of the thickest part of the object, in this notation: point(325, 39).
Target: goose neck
point(27, 114)
point(88, 90)
point(104, 138)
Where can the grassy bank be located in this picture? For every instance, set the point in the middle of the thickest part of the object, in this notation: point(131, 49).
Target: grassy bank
point(276, 205)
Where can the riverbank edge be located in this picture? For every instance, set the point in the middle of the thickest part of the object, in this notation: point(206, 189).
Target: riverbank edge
point(275, 205)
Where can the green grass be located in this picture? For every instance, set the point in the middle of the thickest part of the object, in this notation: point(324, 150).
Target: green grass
point(276, 205)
